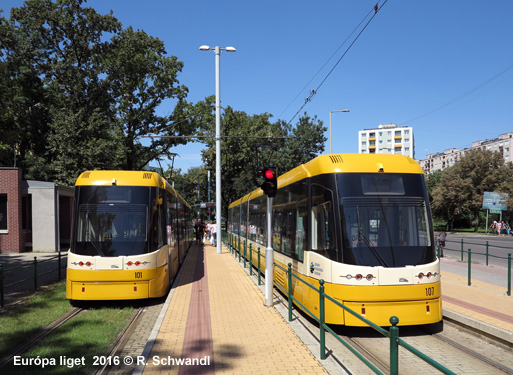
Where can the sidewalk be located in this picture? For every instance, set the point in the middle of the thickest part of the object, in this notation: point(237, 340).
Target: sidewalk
point(483, 306)
point(216, 314)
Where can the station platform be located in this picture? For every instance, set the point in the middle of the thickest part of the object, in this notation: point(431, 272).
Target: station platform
point(484, 306)
point(215, 314)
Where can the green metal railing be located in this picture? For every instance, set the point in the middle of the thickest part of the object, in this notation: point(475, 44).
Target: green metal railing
point(392, 334)
point(36, 275)
point(487, 255)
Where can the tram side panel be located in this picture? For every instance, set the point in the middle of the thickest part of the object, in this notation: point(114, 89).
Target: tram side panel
point(375, 292)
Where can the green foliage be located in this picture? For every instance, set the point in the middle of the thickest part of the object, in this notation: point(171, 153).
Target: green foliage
point(461, 188)
point(244, 156)
point(77, 92)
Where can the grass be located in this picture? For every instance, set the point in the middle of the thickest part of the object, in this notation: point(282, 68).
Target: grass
point(85, 336)
point(74, 345)
point(18, 322)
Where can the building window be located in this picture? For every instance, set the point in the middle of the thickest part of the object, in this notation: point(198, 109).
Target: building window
point(3, 213)
point(406, 131)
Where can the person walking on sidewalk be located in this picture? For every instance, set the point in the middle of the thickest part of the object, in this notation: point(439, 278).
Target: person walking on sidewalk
point(214, 232)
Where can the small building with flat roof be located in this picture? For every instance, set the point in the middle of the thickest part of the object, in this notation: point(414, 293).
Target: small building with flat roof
point(34, 215)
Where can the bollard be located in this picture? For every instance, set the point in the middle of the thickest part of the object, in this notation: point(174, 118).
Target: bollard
point(322, 319)
point(394, 347)
point(289, 274)
point(486, 252)
point(509, 274)
point(259, 281)
point(462, 249)
point(35, 273)
point(469, 267)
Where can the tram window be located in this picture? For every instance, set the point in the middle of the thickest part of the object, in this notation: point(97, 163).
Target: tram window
point(301, 223)
point(323, 228)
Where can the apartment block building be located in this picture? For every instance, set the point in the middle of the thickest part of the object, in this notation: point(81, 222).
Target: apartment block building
point(447, 158)
point(387, 139)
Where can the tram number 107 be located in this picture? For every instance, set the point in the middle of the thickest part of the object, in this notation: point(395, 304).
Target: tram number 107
point(430, 291)
point(138, 275)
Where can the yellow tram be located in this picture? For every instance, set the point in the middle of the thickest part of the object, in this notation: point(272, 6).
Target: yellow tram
point(131, 232)
point(360, 222)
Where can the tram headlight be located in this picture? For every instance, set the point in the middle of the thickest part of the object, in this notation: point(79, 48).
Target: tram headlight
point(369, 277)
point(358, 277)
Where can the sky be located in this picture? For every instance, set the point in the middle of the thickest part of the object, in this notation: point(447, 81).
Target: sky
point(443, 67)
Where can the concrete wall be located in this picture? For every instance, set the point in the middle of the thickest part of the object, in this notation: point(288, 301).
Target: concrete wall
point(44, 218)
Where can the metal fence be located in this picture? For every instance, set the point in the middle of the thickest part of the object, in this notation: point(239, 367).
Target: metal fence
point(459, 246)
point(241, 250)
point(30, 271)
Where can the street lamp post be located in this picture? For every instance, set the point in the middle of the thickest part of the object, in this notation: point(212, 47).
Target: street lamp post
point(217, 50)
point(342, 110)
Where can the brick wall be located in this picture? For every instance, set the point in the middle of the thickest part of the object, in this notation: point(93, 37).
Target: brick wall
point(10, 184)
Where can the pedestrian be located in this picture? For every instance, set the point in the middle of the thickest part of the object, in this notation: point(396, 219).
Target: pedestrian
point(198, 227)
point(214, 232)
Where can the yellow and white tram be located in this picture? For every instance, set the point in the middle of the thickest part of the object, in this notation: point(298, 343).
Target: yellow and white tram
point(131, 232)
point(360, 222)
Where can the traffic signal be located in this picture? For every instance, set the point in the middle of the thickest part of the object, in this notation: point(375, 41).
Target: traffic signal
point(269, 181)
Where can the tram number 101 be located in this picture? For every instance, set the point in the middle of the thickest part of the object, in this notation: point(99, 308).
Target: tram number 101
point(430, 291)
point(138, 275)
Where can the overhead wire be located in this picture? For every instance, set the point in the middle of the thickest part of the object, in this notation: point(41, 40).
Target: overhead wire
point(463, 95)
point(313, 92)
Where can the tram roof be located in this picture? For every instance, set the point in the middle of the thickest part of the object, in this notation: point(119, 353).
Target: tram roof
point(344, 163)
point(120, 178)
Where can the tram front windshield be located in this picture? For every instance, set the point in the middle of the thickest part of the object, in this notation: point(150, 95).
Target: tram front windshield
point(111, 221)
point(385, 220)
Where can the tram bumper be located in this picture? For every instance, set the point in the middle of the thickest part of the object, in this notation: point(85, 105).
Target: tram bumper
point(107, 290)
point(409, 312)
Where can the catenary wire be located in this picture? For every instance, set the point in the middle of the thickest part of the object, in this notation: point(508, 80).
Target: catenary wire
point(313, 92)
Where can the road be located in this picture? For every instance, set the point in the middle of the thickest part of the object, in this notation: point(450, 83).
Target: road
point(498, 249)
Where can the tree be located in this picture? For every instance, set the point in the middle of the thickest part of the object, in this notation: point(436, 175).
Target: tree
point(244, 156)
point(462, 186)
point(88, 91)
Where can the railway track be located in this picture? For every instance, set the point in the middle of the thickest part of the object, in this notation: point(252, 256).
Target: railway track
point(113, 351)
point(118, 345)
point(38, 337)
point(459, 351)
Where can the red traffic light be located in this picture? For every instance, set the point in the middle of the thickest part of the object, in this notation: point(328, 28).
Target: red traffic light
point(270, 183)
point(268, 173)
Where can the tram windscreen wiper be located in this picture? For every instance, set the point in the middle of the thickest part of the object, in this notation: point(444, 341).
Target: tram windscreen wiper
point(365, 240)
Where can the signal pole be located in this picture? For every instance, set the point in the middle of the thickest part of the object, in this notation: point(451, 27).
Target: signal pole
point(269, 256)
point(269, 186)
